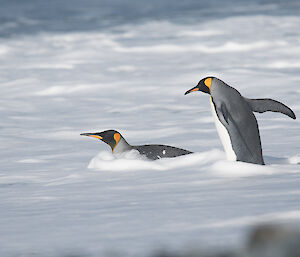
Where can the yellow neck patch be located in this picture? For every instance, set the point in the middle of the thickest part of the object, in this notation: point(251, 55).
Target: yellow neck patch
point(207, 82)
point(117, 138)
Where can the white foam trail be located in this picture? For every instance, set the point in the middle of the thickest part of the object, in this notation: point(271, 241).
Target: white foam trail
point(132, 161)
point(213, 162)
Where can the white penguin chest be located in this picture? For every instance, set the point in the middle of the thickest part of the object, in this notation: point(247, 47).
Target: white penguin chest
point(223, 134)
point(121, 147)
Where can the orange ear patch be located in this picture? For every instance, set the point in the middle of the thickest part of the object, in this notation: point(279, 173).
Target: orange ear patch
point(207, 82)
point(117, 137)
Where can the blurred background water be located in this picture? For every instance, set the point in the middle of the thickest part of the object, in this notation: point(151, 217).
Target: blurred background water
point(33, 16)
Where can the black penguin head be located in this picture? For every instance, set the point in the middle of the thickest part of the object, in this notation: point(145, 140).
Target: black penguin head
point(204, 85)
point(110, 137)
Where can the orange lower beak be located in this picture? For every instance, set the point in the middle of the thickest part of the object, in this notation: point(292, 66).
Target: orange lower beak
point(91, 135)
point(192, 90)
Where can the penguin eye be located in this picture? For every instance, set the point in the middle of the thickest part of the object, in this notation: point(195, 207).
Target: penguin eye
point(207, 82)
point(117, 137)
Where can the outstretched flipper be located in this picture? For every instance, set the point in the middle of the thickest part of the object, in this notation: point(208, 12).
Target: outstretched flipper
point(266, 104)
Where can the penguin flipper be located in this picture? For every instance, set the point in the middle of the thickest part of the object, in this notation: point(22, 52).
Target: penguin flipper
point(222, 112)
point(244, 152)
point(266, 104)
point(225, 112)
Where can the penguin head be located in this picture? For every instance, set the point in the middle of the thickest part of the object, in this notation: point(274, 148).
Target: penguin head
point(110, 137)
point(204, 85)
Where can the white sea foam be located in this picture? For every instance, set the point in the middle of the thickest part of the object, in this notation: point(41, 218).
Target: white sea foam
point(130, 161)
point(55, 86)
point(295, 160)
point(133, 161)
point(211, 162)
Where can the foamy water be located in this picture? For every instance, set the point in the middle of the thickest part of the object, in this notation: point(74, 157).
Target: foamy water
point(210, 163)
point(61, 193)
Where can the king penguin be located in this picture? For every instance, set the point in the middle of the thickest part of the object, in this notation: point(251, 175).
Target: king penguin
point(236, 124)
point(119, 145)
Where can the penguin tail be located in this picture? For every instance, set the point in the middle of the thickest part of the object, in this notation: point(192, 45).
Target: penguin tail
point(266, 104)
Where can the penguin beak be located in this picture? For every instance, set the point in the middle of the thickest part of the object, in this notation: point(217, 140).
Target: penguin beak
point(196, 88)
point(91, 135)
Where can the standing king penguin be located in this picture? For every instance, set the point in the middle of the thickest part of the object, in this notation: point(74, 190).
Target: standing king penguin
point(236, 124)
point(119, 145)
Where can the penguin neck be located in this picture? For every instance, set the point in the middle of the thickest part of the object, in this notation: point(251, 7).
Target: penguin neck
point(121, 147)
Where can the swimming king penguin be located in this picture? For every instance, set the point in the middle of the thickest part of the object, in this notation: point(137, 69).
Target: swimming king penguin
point(236, 124)
point(119, 145)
